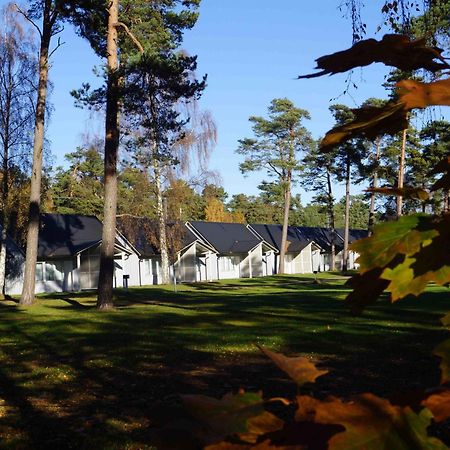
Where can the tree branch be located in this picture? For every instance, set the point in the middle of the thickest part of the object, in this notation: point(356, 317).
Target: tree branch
point(131, 35)
point(25, 15)
point(56, 48)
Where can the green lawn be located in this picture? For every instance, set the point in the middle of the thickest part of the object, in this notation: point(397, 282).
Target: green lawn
point(72, 377)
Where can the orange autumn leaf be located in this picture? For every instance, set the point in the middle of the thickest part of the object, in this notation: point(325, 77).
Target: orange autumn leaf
point(370, 121)
point(415, 94)
point(439, 405)
point(406, 192)
point(370, 423)
point(392, 50)
point(299, 368)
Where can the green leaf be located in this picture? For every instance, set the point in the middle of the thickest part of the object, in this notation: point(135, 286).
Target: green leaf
point(300, 369)
point(239, 414)
point(403, 280)
point(404, 236)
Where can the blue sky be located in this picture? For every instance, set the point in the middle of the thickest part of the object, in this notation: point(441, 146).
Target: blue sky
point(252, 51)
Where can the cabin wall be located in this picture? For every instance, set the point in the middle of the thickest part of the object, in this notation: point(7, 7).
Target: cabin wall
point(15, 266)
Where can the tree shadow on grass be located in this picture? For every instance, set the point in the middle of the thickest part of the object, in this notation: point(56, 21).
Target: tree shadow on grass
point(76, 378)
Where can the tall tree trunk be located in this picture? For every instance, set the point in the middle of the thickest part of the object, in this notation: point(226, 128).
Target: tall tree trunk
point(287, 205)
point(4, 213)
point(29, 281)
point(401, 173)
point(374, 185)
point(332, 220)
point(347, 218)
point(161, 224)
point(105, 279)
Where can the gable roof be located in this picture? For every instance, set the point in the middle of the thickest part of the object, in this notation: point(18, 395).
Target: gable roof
point(226, 238)
point(143, 234)
point(67, 234)
point(272, 234)
point(321, 236)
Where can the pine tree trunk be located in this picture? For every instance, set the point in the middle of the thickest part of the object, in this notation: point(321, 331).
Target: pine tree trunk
point(347, 218)
point(374, 185)
point(29, 281)
point(401, 173)
point(287, 204)
point(105, 280)
point(165, 278)
point(332, 220)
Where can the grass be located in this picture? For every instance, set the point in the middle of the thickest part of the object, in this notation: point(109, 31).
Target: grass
point(73, 377)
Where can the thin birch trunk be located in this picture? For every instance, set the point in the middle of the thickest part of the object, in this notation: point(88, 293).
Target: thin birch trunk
point(401, 173)
point(4, 212)
point(105, 280)
point(332, 220)
point(5, 182)
point(162, 225)
point(29, 281)
point(374, 185)
point(347, 218)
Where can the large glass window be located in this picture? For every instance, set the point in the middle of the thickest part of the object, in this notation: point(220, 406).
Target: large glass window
point(228, 263)
point(49, 271)
point(40, 272)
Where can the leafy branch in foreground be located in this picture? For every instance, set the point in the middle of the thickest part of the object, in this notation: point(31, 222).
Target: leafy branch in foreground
point(247, 421)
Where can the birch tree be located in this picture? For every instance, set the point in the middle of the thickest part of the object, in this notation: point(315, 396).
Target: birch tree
point(17, 91)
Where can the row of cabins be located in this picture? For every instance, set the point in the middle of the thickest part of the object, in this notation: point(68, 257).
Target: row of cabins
point(69, 252)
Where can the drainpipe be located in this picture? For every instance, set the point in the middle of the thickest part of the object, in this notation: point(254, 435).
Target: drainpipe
point(250, 264)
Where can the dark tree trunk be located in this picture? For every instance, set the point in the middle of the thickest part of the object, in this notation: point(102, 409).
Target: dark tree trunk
point(105, 280)
point(27, 297)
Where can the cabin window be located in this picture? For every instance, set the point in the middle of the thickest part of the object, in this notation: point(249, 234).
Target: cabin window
point(40, 272)
point(148, 267)
point(49, 271)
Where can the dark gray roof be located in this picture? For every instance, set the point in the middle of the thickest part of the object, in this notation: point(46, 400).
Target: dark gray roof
point(227, 238)
point(321, 236)
point(67, 234)
point(143, 233)
point(272, 235)
point(354, 234)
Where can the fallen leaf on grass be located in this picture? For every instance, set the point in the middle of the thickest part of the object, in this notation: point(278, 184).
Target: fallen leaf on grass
point(299, 368)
